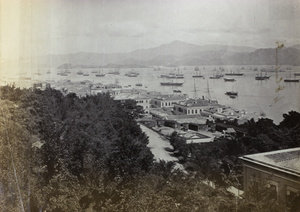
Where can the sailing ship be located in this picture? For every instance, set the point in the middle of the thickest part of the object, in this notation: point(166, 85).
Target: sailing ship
point(234, 73)
point(171, 83)
point(115, 72)
point(232, 94)
point(216, 75)
point(197, 73)
point(261, 77)
point(177, 75)
point(100, 74)
point(290, 79)
point(132, 73)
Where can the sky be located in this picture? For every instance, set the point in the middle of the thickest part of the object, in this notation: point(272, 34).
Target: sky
point(37, 27)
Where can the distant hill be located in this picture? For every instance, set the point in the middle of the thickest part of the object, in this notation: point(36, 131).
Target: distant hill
point(179, 53)
point(286, 56)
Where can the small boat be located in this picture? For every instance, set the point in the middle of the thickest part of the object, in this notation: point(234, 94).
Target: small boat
point(216, 77)
point(85, 74)
point(231, 93)
point(297, 74)
point(197, 76)
point(38, 73)
point(175, 77)
point(232, 96)
point(138, 84)
point(229, 79)
point(291, 80)
point(171, 83)
point(25, 78)
point(80, 72)
point(177, 91)
point(67, 71)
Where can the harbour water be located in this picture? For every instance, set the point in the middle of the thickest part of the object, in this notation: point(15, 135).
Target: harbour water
point(270, 98)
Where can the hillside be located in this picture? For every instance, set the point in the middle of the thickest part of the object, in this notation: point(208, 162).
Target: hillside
point(179, 53)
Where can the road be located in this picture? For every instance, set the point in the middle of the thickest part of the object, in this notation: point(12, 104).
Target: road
point(157, 145)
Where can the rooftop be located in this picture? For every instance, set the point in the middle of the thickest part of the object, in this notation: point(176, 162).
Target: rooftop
point(198, 103)
point(171, 97)
point(287, 160)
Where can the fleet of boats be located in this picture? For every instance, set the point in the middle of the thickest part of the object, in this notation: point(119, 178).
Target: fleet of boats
point(174, 77)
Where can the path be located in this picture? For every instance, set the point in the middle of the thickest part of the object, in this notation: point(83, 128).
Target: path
point(157, 145)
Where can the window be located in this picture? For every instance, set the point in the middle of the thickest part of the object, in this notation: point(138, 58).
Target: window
point(292, 197)
point(273, 188)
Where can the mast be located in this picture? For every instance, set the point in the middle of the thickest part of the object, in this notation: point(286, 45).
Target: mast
point(208, 91)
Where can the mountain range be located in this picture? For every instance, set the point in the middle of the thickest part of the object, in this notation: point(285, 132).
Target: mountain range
point(179, 53)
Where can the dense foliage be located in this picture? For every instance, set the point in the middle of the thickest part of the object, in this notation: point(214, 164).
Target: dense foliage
point(65, 153)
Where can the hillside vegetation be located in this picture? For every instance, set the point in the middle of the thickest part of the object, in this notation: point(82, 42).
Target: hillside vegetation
point(65, 153)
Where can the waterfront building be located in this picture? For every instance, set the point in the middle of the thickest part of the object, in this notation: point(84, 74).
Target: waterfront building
point(167, 100)
point(141, 98)
point(281, 172)
point(196, 106)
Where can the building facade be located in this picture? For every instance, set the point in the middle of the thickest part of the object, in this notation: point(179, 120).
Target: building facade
point(280, 170)
point(195, 107)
